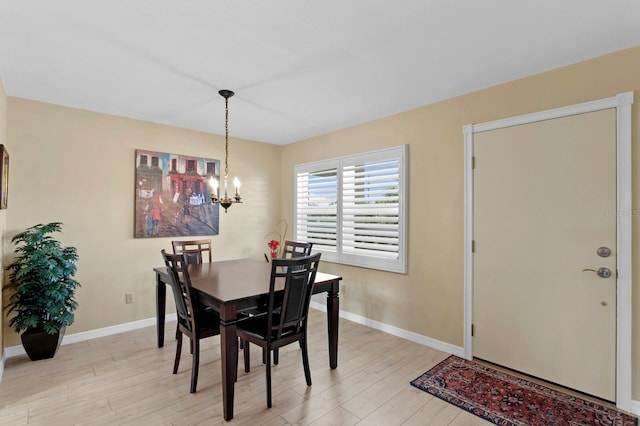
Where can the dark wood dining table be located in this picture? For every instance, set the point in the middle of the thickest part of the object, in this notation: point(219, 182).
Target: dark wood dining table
point(230, 287)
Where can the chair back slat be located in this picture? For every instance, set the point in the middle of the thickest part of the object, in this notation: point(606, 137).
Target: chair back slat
point(181, 287)
point(294, 249)
point(289, 308)
point(196, 251)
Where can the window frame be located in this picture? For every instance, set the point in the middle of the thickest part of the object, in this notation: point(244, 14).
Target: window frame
point(399, 153)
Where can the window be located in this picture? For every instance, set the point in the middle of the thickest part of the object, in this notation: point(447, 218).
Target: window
point(353, 209)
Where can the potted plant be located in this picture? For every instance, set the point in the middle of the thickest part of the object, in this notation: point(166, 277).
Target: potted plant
point(42, 289)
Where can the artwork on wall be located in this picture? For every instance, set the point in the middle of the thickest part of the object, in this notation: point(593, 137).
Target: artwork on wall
point(4, 177)
point(173, 195)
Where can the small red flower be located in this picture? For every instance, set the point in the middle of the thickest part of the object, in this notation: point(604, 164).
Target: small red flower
point(273, 246)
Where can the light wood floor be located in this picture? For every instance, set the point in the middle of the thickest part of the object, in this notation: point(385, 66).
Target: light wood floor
point(125, 379)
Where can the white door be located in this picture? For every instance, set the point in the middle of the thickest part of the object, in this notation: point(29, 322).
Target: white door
point(544, 203)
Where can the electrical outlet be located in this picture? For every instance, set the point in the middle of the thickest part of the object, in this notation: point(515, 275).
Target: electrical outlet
point(128, 298)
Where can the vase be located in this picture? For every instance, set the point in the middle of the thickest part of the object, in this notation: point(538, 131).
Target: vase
point(39, 344)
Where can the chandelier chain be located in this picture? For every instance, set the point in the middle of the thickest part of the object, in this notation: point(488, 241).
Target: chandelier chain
point(226, 137)
point(226, 201)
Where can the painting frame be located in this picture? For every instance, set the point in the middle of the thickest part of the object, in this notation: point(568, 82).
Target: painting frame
point(4, 177)
point(173, 195)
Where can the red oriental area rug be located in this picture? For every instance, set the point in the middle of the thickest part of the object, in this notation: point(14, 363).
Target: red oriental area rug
point(507, 400)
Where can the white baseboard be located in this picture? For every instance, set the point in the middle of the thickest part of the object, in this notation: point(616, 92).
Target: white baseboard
point(396, 331)
point(94, 334)
point(121, 328)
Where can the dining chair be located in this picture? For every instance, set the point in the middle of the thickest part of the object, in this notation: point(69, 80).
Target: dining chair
point(195, 250)
point(286, 319)
point(194, 320)
point(293, 249)
point(290, 250)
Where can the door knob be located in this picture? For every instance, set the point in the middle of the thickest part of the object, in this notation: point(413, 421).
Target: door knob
point(601, 272)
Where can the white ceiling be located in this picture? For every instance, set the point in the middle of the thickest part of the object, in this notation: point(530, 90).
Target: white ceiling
point(299, 68)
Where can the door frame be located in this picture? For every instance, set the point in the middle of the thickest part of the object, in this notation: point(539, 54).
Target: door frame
point(624, 213)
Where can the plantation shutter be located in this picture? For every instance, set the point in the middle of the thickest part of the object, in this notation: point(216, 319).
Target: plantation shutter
point(370, 223)
point(353, 208)
point(317, 208)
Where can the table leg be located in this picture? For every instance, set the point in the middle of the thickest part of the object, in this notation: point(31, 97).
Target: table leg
point(161, 295)
point(333, 313)
point(229, 357)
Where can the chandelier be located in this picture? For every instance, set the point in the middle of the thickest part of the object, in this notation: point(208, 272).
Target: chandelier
point(226, 200)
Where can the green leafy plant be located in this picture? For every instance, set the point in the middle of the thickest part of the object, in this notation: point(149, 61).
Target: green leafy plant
point(41, 283)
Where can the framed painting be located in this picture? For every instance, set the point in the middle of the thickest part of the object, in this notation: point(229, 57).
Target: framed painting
point(4, 177)
point(173, 195)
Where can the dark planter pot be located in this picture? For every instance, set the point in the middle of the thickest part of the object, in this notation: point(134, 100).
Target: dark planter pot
point(39, 344)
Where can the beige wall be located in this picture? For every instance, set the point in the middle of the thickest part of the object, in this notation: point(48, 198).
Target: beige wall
point(3, 213)
point(429, 299)
point(78, 167)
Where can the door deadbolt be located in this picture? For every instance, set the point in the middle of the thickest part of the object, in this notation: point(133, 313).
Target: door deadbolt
point(601, 272)
point(603, 251)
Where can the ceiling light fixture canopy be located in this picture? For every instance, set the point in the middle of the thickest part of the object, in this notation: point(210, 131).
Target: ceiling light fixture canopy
point(225, 201)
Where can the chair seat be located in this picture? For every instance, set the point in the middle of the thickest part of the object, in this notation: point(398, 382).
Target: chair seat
point(257, 327)
point(207, 319)
point(261, 307)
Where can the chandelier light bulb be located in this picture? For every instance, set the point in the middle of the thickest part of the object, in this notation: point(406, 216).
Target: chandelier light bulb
point(236, 184)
